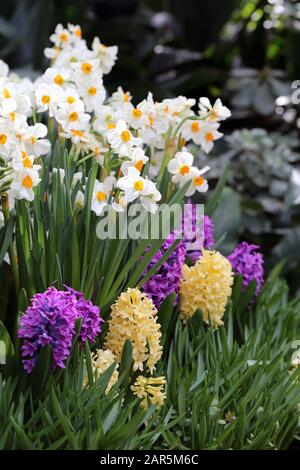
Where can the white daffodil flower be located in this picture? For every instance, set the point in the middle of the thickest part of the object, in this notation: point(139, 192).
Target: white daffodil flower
point(22, 161)
point(121, 204)
point(101, 194)
point(4, 69)
point(180, 167)
point(209, 133)
point(23, 184)
point(191, 130)
point(73, 118)
point(135, 186)
point(7, 140)
point(135, 117)
point(105, 119)
point(92, 92)
point(120, 97)
point(198, 183)
point(61, 36)
point(137, 160)
point(106, 54)
point(217, 112)
point(34, 143)
point(71, 99)
point(12, 100)
point(47, 98)
point(86, 70)
point(121, 139)
point(56, 76)
point(79, 200)
point(75, 30)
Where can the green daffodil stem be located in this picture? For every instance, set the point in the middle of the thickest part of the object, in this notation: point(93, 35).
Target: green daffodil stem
point(87, 157)
point(170, 150)
point(11, 251)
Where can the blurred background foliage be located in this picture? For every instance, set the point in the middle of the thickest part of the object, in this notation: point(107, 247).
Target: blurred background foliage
point(244, 51)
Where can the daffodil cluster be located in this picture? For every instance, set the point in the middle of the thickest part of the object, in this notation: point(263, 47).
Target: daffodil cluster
point(134, 144)
point(21, 143)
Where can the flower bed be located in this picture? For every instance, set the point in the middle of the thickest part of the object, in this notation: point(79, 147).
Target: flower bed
point(111, 339)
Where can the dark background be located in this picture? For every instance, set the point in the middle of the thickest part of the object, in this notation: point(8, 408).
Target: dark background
point(166, 46)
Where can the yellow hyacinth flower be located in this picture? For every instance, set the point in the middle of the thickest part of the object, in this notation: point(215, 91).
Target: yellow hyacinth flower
point(149, 389)
point(133, 317)
point(206, 286)
point(102, 359)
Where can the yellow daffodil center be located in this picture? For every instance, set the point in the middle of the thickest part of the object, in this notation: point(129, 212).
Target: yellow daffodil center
point(73, 116)
point(150, 120)
point(77, 133)
point(27, 182)
point(125, 136)
point(139, 165)
point(63, 37)
point(209, 136)
point(27, 162)
point(136, 113)
point(3, 139)
point(45, 99)
point(195, 126)
point(70, 99)
point(12, 116)
point(92, 90)
point(139, 185)
point(198, 181)
point(184, 170)
point(6, 93)
point(86, 67)
point(126, 97)
point(101, 196)
point(59, 80)
point(213, 115)
point(33, 140)
point(77, 32)
point(110, 125)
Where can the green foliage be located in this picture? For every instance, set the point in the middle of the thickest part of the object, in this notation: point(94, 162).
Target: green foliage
point(73, 255)
point(231, 388)
point(263, 199)
point(226, 388)
point(262, 165)
point(257, 90)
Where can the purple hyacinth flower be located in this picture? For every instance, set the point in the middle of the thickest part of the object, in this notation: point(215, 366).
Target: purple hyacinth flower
point(50, 320)
point(247, 261)
point(166, 280)
point(90, 315)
